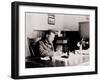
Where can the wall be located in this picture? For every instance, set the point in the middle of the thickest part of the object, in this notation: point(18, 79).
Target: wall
point(39, 21)
point(5, 40)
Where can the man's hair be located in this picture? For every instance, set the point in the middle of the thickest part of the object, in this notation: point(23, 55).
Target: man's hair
point(50, 31)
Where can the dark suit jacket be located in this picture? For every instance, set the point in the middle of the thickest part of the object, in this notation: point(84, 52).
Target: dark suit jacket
point(43, 48)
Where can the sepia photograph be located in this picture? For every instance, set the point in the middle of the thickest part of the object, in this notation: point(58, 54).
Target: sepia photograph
point(51, 40)
point(64, 43)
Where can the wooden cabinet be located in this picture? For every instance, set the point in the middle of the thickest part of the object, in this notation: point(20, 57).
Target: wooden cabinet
point(84, 29)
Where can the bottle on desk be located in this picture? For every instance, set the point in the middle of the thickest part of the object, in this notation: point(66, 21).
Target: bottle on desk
point(81, 49)
point(81, 42)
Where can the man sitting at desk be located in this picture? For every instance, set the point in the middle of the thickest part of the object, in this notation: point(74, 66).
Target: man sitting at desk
point(44, 47)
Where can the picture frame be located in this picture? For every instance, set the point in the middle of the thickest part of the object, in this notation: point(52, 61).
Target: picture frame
point(25, 12)
point(51, 19)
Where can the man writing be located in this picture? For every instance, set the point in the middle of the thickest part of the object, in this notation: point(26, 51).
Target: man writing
point(44, 47)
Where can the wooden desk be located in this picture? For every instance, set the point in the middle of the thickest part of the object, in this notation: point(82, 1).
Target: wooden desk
point(72, 60)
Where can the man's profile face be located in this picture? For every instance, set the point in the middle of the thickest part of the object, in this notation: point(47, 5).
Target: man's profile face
point(51, 37)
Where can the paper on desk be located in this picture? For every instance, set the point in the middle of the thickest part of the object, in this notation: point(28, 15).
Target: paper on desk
point(45, 58)
point(59, 53)
point(84, 52)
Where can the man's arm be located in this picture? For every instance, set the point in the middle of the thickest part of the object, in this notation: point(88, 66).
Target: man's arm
point(44, 50)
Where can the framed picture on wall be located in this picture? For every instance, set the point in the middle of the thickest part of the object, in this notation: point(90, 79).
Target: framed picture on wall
point(51, 19)
point(51, 40)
